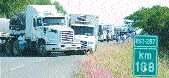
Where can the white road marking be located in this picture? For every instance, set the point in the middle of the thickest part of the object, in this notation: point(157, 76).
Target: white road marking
point(17, 67)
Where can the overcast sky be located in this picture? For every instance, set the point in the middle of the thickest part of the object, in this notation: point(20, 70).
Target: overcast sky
point(109, 11)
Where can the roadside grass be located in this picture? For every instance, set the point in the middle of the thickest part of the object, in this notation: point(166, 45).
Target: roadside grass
point(113, 61)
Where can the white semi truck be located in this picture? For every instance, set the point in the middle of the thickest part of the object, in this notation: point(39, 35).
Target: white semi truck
point(86, 30)
point(42, 29)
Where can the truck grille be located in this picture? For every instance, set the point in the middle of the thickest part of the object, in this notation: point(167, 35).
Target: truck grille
point(67, 36)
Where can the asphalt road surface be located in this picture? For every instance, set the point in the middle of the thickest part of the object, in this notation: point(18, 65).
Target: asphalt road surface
point(39, 67)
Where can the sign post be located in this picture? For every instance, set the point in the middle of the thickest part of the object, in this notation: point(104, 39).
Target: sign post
point(145, 55)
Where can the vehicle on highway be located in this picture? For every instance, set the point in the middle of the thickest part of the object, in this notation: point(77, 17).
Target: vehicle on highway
point(40, 29)
point(86, 30)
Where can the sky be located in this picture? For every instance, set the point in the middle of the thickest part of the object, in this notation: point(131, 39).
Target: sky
point(109, 11)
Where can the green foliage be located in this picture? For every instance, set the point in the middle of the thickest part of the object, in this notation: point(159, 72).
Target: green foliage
point(42, 2)
point(9, 7)
point(59, 7)
point(154, 21)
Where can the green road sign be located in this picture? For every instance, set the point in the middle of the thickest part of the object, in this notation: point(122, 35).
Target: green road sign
point(145, 41)
point(145, 51)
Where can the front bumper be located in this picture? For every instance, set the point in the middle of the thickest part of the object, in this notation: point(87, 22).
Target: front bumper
point(63, 47)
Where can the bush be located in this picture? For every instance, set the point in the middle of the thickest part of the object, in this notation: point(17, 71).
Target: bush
point(154, 21)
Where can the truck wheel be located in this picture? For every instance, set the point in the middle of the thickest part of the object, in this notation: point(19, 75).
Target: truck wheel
point(89, 51)
point(16, 50)
point(8, 48)
point(85, 52)
point(92, 50)
point(68, 53)
point(42, 48)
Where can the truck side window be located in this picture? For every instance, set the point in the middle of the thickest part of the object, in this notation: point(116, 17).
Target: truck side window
point(39, 22)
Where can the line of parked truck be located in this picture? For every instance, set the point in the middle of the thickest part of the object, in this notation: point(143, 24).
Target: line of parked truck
point(41, 29)
point(117, 33)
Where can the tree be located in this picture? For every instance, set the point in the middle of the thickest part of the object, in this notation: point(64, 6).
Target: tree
point(59, 7)
point(42, 2)
point(9, 7)
point(154, 21)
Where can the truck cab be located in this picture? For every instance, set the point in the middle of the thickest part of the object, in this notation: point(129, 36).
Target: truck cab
point(50, 27)
point(45, 29)
point(86, 35)
point(57, 35)
point(86, 30)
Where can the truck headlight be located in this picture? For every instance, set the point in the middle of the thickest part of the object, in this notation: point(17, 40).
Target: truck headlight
point(90, 42)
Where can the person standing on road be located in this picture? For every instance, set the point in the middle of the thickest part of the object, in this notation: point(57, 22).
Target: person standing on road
point(119, 38)
point(107, 36)
point(1, 46)
point(22, 43)
point(124, 36)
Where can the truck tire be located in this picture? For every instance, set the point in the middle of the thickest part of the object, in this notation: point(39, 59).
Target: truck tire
point(12, 48)
point(32, 48)
point(9, 47)
point(91, 51)
point(42, 48)
point(16, 50)
point(67, 53)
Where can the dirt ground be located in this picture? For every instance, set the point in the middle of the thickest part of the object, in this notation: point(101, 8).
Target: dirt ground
point(112, 60)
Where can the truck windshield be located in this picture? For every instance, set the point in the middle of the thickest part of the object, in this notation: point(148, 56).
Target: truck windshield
point(53, 21)
point(83, 30)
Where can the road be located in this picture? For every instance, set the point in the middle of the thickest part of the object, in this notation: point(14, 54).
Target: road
point(39, 67)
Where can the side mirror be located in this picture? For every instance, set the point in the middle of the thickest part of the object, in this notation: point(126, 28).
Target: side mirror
point(34, 22)
point(44, 30)
point(39, 22)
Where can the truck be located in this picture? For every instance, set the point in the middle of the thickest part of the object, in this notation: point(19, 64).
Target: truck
point(86, 30)
point(40, 29)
